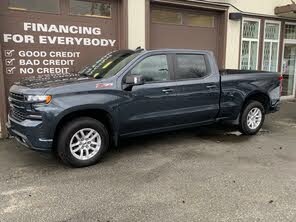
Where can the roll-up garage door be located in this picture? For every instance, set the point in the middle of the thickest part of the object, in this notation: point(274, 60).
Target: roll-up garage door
point(185, 28)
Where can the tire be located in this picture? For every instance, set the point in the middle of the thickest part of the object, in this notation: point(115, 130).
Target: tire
point(254, 126)
point(95, 142)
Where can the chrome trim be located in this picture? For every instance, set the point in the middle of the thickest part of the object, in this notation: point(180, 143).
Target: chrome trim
point(35, 116)
point(45, 140)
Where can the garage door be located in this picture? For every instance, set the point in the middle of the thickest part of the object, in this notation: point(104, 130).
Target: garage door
point(184, 28)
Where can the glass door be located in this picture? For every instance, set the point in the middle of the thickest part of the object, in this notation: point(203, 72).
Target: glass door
point(289, 66)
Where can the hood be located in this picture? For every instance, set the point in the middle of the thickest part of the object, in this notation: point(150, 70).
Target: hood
point(41, 86)
point(51, 82)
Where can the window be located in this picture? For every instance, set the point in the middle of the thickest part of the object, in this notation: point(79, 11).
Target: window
point(271, 46)
point(250, 43)
point(86, 8)
point(166, 16)
point(153, 69)
point(190, 66)
point(51, 6)
point(290, 31)
point(207, 21)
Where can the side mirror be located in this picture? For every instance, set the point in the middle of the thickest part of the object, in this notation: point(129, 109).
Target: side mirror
point(134, 80)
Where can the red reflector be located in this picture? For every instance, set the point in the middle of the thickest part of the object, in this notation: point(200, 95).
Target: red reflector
point(281, 78)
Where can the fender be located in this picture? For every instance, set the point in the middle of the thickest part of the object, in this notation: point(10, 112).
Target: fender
point(113, 113)
point(260, 96)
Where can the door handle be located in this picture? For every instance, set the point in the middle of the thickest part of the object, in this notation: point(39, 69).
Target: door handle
point(167, 90)
point(211, 86)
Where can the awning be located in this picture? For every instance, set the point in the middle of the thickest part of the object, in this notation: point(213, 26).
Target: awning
point(286, 11)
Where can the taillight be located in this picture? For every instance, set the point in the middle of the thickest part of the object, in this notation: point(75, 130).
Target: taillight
point(281, 84)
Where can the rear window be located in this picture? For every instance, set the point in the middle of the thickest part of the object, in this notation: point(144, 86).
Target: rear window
point(191, 66)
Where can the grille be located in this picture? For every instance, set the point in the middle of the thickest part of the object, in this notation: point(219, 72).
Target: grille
point(17, 104)
point(20, 109)
point(18, 114)
point(17, 96)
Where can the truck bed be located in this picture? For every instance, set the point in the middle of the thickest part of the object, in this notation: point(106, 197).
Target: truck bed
point(236, 85)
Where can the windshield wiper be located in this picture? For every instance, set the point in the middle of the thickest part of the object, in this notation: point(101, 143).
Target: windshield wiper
point(84, 74)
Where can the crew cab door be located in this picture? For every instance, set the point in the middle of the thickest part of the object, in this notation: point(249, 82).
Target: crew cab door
point(198, 91)
point(149, 106)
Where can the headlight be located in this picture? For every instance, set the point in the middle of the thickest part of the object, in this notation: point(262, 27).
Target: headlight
point(38, 99)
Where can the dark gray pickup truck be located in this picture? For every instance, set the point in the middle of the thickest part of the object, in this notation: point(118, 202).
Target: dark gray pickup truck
point(129, 93)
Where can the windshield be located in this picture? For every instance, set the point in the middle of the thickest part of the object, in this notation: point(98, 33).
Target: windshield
point(110, 64)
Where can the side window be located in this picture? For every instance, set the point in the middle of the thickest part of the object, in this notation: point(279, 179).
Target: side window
point(153, 69)
point(191, 66)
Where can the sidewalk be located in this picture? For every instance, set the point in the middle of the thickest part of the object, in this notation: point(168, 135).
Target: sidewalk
point(288, 110)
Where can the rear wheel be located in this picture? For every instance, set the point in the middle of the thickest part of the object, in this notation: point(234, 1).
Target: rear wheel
point(82, 142)
point(252, 118)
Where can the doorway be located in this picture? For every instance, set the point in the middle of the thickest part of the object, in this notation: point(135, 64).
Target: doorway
point(288, 70)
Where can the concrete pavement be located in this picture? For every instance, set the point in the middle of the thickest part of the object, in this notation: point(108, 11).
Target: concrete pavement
point(205, 174)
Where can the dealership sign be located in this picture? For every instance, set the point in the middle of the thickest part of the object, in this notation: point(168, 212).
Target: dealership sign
point(59, 40)
point(50, 48)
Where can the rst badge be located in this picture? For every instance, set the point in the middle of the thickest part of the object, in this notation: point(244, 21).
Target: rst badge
point(104, 85)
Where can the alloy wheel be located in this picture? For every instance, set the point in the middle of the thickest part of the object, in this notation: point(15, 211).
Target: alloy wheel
point(85, 144)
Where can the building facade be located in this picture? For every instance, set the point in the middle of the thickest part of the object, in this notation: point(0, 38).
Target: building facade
point(48, 39)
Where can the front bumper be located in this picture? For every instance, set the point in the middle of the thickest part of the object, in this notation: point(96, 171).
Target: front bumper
point(30, 134)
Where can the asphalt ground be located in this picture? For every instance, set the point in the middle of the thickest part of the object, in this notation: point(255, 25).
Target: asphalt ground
point(202, 174)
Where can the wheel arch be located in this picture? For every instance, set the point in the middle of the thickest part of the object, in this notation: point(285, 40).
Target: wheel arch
point(261, 97)
point(102, 115)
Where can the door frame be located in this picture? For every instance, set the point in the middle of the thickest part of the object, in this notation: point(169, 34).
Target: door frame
point(290, 42)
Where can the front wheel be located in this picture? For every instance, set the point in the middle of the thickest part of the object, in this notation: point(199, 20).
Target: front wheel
point(82, 142)
point(252, 118)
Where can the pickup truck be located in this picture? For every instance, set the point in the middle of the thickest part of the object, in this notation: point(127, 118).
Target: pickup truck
point(135, 92)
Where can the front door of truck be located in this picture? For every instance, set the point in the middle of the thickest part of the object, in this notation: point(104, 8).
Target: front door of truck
point(198, 91)
point(149, 106)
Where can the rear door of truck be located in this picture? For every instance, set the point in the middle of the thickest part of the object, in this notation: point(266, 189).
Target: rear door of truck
point(198, 87)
